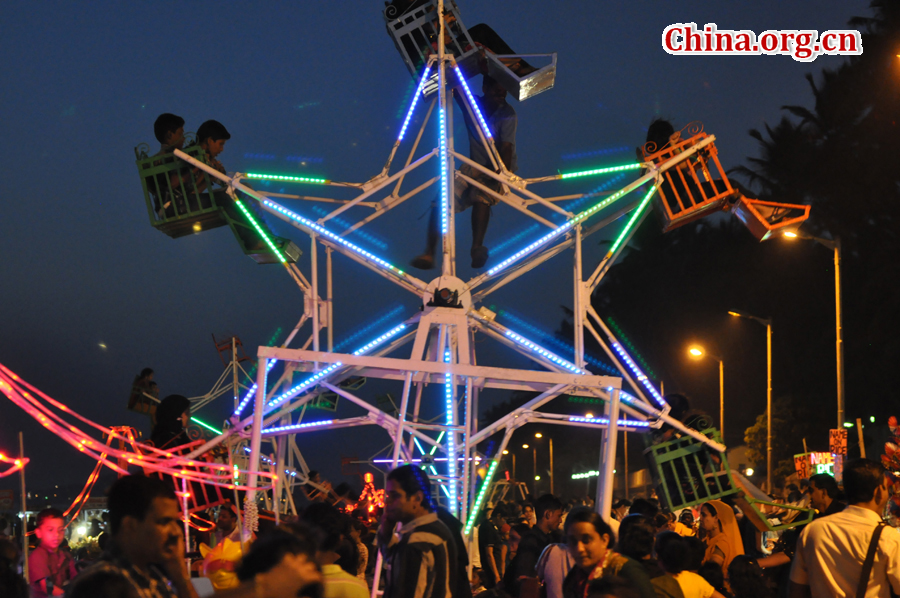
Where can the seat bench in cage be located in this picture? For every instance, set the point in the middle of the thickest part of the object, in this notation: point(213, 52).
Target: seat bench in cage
point(178, 208)
point(687, 472)
point(415, 30)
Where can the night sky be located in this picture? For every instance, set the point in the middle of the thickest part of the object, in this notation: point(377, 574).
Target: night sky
point(91, 293)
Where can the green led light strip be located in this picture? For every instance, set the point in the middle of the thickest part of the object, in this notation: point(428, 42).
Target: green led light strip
point(484, 488)
point(288, 179)
point(206, 425)
point(572, 175)
point(624, 340)
point(259, 230)
point(634, 218)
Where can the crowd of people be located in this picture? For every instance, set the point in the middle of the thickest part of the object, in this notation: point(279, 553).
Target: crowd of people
point(526, 549)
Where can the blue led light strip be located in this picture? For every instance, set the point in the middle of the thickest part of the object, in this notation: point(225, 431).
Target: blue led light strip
point(563, 228)
point(265, 237)
point(317, 377)
point(251, 392)
point(473, 103)
point(485, 485)
point(544, 352)
point(445, 192)
point(298, 426)
point(332, 236)
point(415, 101)
point(641, 377)
point(605, 420)
point(451, 447)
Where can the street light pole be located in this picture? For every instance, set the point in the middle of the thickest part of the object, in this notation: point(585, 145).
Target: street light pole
point(722, 399)
point(767, 322)
point(835, 246)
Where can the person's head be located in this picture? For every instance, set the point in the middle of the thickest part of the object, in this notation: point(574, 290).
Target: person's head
point(227, 519)
point(407, 494)
point(146, 374)
point(172, 415)
point(823, 489)
point(50, 529)
point(620, 508)
point(548, 512)
point(696, 550)
point(588, 537)
point(313, 476)
point(211, 136)
point(659, 133)
point(664, 522)
point(288, 557)
point(493, 90)
point(528, 513)
point(645, 507)
point(712, 572)
point(144, 519)
point(102, 584)
point(687, 517)
point(636, 536)
point(709, 518)
point(169, 130)
point(672, 552)
point(865, 482)
point(612, 587)
point(515, 535)
point(746, 578)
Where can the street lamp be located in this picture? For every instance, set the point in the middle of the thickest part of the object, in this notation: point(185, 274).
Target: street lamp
point(539, 435)
point(767, 322)
point(698, 352)
point(835, 246)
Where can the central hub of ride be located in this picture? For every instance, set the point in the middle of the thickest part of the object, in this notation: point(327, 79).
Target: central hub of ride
point(447, 291)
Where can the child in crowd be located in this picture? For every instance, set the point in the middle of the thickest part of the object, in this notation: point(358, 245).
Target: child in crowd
point(49, 567)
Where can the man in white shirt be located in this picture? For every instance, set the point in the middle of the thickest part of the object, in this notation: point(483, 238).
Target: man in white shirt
point(831, 550)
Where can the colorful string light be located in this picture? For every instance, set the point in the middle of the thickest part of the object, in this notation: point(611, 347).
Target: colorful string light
point(635, 216)
point(298, 426)
point(585, 475)
point(415, 101)
point(206, 425)
point(639, 374)
point(485, 485)
point(631, 423)
point(473, 103)
point(607, 170)
point(252, 391)
point(332, 236)
point(16, 462)
point(451, 446)
point(620, 334)
point(445, 182)
point(259, 229)
point(286, 178)
point(535, 348)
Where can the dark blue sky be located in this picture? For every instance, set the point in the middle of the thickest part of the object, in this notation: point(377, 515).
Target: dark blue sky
point(83, 82)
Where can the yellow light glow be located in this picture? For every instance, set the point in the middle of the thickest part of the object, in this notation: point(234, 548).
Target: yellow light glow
point(524, 446)
point(589, 415)
point(749, 471)
point(537, 477)
point(734, 313)
point(538, 435)
point(696, 351)
point(197, 227)
point(790, 234)
point(505, 452)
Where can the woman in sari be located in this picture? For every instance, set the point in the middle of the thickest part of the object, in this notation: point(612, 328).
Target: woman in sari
point(723, 538)
point(590, 541)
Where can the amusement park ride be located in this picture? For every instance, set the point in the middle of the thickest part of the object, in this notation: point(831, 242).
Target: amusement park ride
point(434, 345)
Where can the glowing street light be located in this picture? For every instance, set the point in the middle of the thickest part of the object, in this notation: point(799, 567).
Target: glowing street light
point(538, 435)
point(505, 452)
point(524, 446)
point(748, 471)
point(698, 352)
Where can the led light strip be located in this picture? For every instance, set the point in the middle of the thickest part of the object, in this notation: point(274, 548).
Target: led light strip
point(544, 352)
point(631, 423)
point(205, 425)
point(451, 447)
point(585, 475)
point(621, 335)
point(368, 327)
point(415, 101)
point(572, 175)
point(314, 379)
point(285, 178)
point(445, 195)
point(473, 103)
point(485, 485)
point(634, 218)
point(556, 232)
point(255, 224)
point(298, 426)
point(332, 236)
point(642, 378)
point(251, 392)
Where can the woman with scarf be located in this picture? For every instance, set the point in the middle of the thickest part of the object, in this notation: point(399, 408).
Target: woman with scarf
point(172, 417)
point(723, 538)
point(590, 541)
